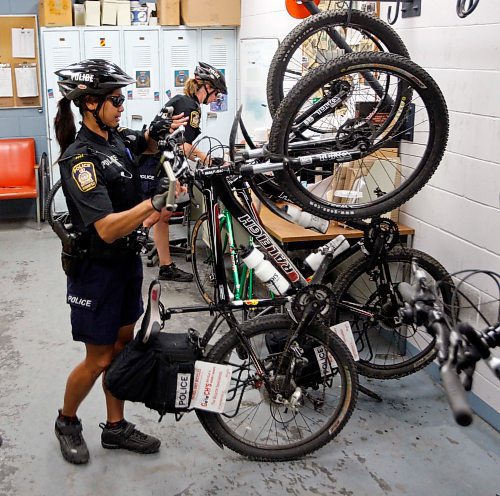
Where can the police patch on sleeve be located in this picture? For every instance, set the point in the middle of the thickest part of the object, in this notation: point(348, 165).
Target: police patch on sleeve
point(84, 176)
point(194, 119)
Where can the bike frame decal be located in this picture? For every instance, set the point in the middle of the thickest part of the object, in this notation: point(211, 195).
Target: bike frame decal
point(267, 243)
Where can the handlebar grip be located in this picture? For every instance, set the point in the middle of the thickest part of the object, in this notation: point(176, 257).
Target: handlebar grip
point(170, 203)
point(407, 292)
point(457, 398)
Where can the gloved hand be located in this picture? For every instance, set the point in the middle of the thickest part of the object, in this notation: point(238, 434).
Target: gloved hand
point(160, 197)
point(161, 124)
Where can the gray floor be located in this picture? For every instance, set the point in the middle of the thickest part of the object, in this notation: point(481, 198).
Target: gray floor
point(407, 445)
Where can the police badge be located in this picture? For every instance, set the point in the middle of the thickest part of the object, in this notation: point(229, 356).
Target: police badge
point(84, 176)
point(194, 119)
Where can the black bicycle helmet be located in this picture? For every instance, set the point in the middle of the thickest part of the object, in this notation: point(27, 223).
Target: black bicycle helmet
point(205, 72)
point(91, 77)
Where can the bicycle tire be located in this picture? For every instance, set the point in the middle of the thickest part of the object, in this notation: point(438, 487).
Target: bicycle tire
point(387, 180)
point(249, 440)
point(381, 337)
point(295, 42)
point(52, 212)
point(204, 273)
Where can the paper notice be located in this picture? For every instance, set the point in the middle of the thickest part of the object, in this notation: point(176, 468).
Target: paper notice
point(26, 82)
point(23, 43)
point(6, 82)
point(211, 383)
point(344, 331)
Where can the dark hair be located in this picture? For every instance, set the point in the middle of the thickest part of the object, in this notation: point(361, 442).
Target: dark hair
point(64, 124)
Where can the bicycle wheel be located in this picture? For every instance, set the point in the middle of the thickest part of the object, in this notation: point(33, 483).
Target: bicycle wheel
point(310, 44)
point(254, 422)
point(55, 206)
point(376, 152)
point(369, 300)
point(202, 262)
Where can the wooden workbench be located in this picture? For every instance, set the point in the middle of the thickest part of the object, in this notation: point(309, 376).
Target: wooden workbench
point(287, 233)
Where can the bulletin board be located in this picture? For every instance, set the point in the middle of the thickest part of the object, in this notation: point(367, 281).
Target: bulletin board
point(19, 56)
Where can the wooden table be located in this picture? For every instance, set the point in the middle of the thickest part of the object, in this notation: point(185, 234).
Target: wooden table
point(288, 234)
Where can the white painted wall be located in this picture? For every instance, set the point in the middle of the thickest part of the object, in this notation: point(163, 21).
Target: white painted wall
point(457, 215)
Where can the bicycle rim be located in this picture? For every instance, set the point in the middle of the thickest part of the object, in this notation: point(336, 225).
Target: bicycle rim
point(403, 136)
point(310, 44)
point(368, 299)
point(55, 207)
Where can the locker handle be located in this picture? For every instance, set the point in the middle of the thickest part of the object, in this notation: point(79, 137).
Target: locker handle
point(212, 115)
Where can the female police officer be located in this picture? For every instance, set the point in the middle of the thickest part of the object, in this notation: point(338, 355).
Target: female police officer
point(102, 190)
point(206, 87)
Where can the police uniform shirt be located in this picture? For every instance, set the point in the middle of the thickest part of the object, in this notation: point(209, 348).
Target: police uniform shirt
point(100, 176)
point(191, 108)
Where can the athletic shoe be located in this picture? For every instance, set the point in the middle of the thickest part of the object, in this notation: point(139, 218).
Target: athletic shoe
point(126, 436)
point(173, 273)
point(73, 446)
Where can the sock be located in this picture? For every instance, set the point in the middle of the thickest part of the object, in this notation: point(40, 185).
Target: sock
point(116, 425)
point(68, 419)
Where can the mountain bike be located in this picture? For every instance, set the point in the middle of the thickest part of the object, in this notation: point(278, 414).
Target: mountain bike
point(322, 37)
point(459, 346)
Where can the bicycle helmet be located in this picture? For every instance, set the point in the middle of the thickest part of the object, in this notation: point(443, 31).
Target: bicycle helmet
point(91, 77)
point(206, 73)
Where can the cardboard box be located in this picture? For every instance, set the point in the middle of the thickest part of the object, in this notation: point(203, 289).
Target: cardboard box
point(123, 14)
point(55, 13)
point(108, 12)
point(79, 14)
point(168, 12)
point(92, 13)
point(211, 12)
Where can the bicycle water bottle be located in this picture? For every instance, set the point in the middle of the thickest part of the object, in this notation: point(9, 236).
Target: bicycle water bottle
point(306, 219)
point(264, 270)
point(335, 246)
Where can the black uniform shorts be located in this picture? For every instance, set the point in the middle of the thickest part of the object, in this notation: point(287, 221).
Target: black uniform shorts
point(103, 298)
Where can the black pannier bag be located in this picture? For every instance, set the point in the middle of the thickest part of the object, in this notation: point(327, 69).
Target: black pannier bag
point(158, 373)
point(309, 374)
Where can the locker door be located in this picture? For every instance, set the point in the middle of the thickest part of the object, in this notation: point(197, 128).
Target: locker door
point(104, 43)
point(218, 49)
point(180, 51)
point(60, 48)
point(142, 62)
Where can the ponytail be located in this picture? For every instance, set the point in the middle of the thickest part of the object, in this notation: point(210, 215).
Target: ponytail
point(191, 87)
point(64, 124)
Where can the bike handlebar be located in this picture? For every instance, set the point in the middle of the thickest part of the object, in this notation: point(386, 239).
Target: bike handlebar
point(459, 346)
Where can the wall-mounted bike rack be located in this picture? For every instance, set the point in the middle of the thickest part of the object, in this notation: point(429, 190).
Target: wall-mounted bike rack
point(463, 11)
point(409, 8)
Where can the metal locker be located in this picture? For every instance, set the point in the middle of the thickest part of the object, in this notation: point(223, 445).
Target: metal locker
point(60, 48)
point(218, 49)
point(180, 55)
point(142, 62)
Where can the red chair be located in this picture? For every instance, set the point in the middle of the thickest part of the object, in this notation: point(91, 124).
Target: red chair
point(18, 171)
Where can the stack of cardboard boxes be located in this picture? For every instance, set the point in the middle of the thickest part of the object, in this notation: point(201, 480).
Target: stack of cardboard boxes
point(140, 12)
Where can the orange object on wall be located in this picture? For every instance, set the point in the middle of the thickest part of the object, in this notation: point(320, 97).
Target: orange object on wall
point(298, 10)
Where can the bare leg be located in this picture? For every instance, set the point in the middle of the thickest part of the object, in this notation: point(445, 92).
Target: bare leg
point(84, 375)
point(114, 406)
point(162, 238)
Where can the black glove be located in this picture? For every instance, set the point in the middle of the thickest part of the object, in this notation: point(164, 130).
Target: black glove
point(160, 197)
point(160, 125)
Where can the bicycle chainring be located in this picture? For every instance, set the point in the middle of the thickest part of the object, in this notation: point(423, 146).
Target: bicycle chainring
point(379, 226)
point(315, 293)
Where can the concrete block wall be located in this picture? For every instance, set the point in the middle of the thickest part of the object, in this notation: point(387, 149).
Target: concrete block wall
point(457, 215)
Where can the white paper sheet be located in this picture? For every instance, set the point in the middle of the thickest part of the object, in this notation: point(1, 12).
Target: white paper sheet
point(26, 81)
point(23, 43)
point(6, 82)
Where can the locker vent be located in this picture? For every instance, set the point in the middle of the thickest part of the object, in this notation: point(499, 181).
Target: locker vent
point(98, 52)
point(142, 56)
point(179, 55)
point(62, 57)
point(218, 55)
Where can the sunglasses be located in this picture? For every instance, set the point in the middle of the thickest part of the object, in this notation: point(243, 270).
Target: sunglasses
point(116, 100)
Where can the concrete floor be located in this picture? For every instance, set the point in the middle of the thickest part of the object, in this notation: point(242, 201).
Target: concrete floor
point(407, 445)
